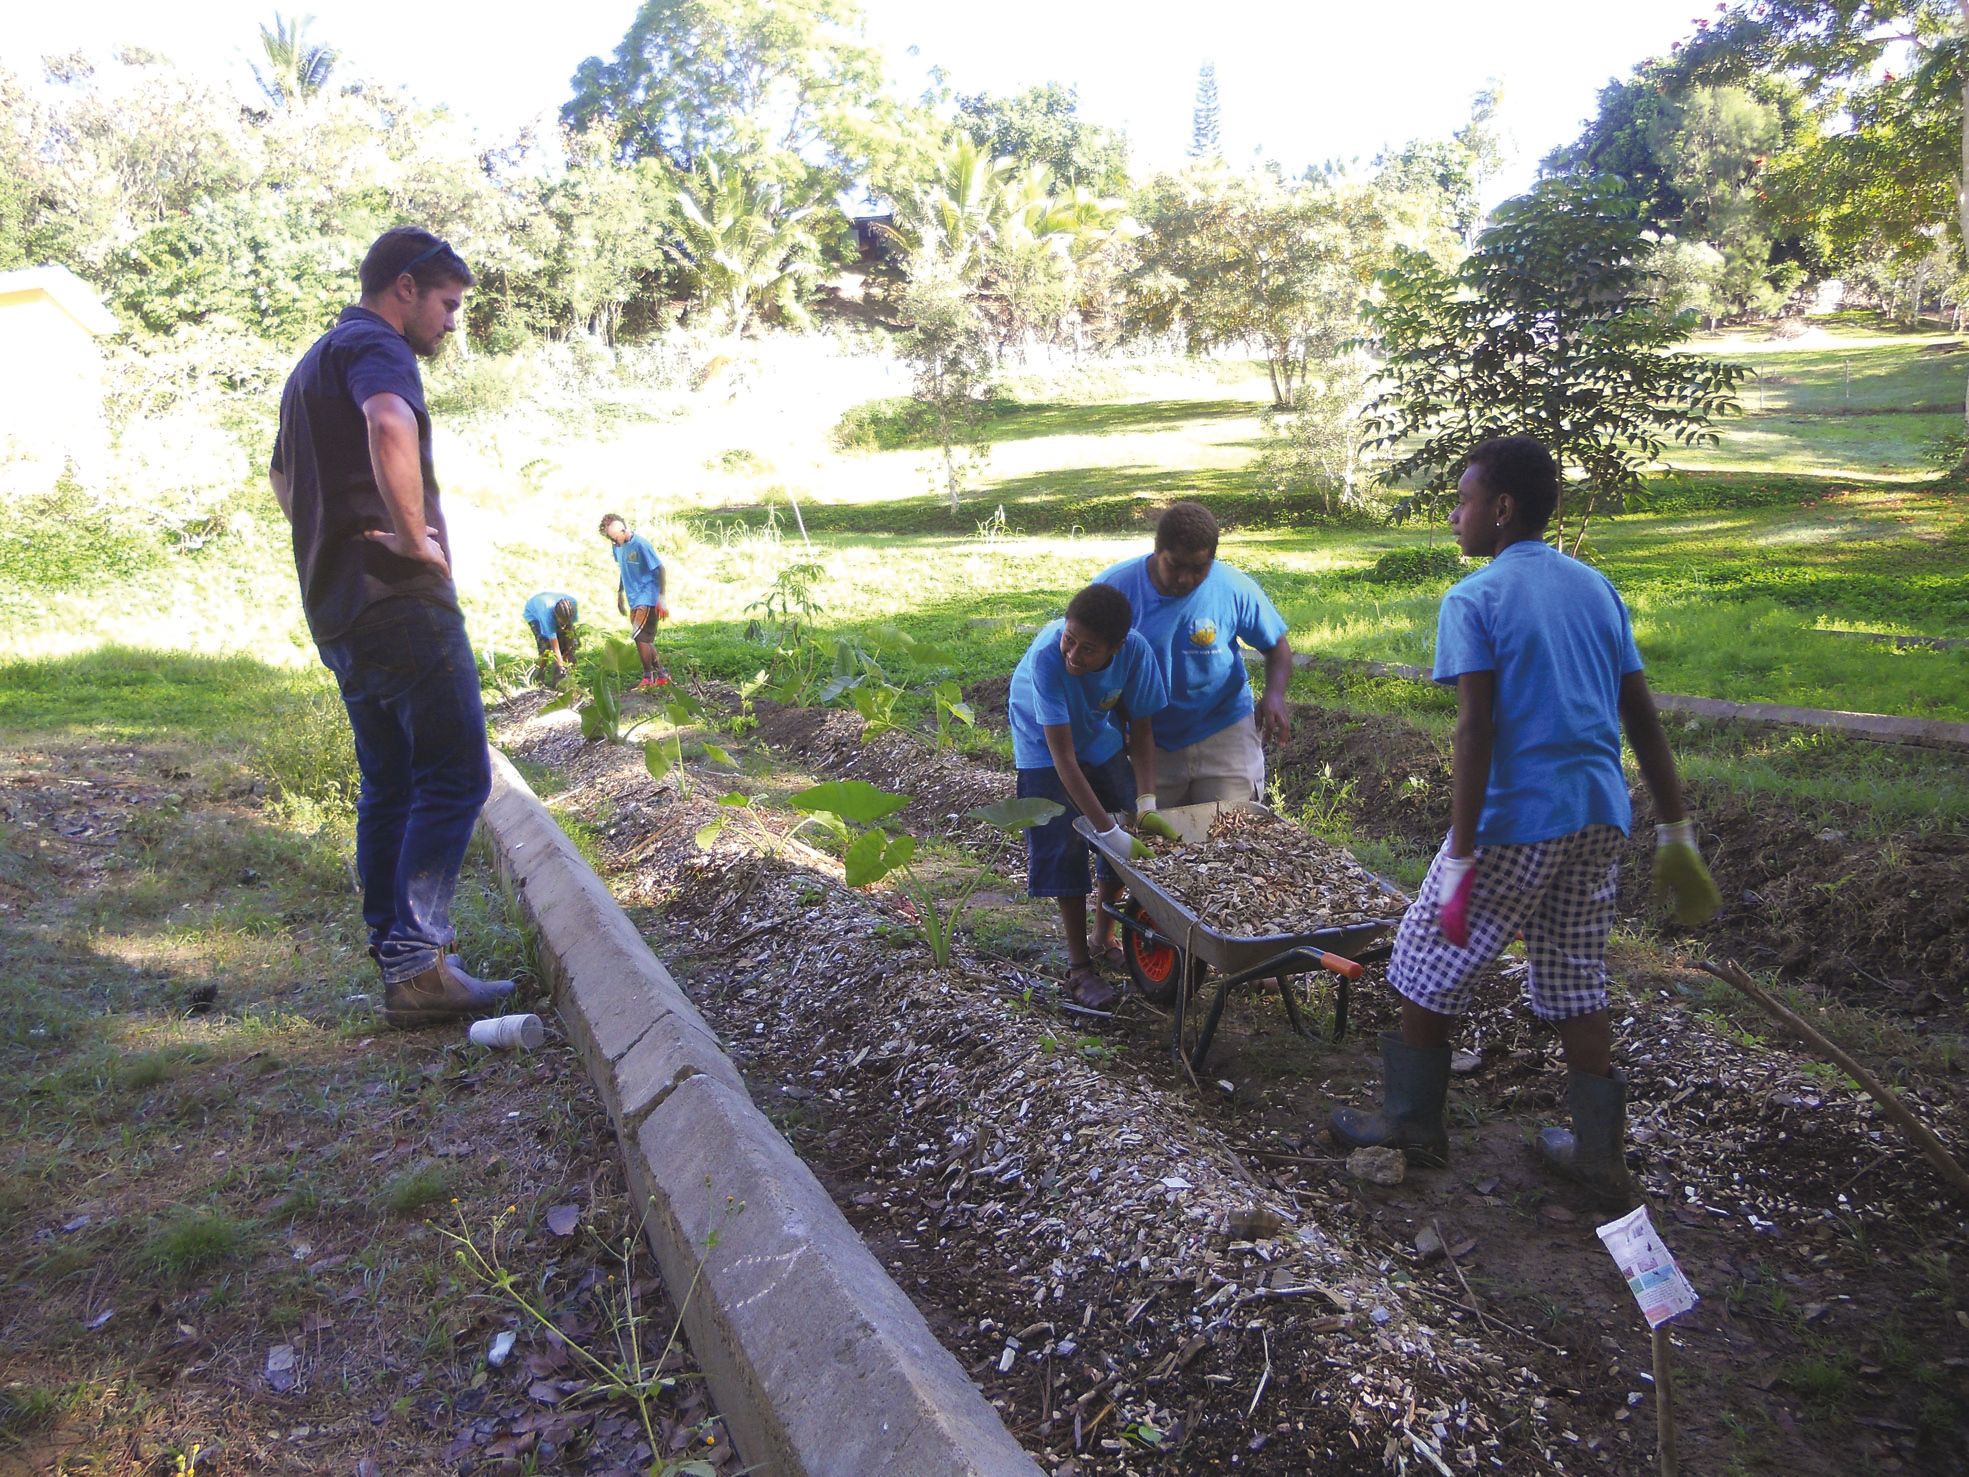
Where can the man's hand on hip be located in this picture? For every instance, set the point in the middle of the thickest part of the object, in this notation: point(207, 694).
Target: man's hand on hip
point(429, 552)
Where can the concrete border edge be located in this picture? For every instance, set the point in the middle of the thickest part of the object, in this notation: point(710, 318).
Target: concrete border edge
point(816, 1359)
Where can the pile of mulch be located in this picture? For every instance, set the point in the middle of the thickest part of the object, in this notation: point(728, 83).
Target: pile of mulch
point(1256, 875)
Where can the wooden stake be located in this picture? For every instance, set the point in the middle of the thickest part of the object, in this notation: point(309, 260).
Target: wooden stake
point(1732, 973)
point(1664, 1404)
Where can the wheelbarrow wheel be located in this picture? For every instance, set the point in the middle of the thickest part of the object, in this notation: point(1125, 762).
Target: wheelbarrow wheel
point(1152, 966)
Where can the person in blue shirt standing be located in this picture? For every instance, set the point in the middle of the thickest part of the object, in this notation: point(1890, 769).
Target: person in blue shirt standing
point(1195, 612)
point(352, 470)
point(639, 594)
point(1541, 653)
point(1081, 676)
point(550, 616)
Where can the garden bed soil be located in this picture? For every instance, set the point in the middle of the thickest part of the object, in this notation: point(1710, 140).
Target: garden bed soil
point(1189, 1265)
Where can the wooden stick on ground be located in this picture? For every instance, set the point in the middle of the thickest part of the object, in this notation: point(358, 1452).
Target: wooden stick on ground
point(1664, 1403)
point(1732, 973)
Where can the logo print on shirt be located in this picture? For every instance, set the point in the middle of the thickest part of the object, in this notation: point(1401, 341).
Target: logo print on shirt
point(1204, 634)
point(1113, 699)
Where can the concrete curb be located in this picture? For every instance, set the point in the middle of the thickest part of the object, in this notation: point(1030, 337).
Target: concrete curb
point(1887, 728)
point(817, 1361)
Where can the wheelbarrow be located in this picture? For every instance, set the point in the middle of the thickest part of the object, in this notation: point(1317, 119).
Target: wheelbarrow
point(1171, 954)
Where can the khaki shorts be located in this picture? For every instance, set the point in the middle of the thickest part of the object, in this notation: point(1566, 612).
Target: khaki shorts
point(1229, 765)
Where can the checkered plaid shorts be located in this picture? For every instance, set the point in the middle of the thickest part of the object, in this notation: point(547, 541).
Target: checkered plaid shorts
point(1558, 893)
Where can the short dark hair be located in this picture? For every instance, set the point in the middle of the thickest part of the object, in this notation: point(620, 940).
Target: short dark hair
point(1186, 525)
point(429, 259)
point(1104, 611)
point(563, 614)
point(1521, 466)
point(608, 518)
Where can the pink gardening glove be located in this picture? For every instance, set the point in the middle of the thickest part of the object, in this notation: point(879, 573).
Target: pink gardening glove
point(1456, 881)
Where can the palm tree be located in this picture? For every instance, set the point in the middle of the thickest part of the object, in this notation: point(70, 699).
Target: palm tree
point(296, 68)
point(746, 247)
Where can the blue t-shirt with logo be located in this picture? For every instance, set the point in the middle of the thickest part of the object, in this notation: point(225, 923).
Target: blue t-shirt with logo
point(1559, 639)
point(539, 613)
point(641, 571)
point(1044, 693)
point(1196, 639)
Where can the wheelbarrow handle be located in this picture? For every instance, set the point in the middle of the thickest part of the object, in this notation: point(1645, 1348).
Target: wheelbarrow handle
point(1346, 968)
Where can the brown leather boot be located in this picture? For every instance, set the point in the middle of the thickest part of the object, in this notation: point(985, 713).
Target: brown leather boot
point(444, 992)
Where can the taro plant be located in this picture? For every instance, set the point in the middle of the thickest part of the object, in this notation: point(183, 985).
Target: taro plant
point(665, 756)
point(948, 707)
point(596, 692)
point(788, 609)
point(874, 854)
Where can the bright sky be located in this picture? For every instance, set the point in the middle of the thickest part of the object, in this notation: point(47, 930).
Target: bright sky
point(1298, 82)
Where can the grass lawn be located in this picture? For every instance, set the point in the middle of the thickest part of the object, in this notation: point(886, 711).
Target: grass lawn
point(1740, 578)
point(223, 1187)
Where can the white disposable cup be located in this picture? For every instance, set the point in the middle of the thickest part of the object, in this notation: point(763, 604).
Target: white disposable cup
point(523, 1031)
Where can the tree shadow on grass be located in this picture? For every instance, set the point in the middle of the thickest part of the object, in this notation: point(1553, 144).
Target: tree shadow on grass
point(902, 425)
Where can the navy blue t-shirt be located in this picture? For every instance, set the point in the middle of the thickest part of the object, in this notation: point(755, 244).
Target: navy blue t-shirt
point(322, 448)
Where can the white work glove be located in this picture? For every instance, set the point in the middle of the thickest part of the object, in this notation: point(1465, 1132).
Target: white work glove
point(1114, 836)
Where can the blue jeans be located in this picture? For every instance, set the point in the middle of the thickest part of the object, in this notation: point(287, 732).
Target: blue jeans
point(412, 691)
point(1056, 857)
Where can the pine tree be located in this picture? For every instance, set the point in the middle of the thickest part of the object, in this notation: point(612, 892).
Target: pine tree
point(1204, 140)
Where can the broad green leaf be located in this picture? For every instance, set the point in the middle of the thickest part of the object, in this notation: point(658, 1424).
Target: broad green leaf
point(710, 831)
point(901, 849)
point(718, 755)
point(838, 686)
point(656, 759)
point(852, 800)
point(867, 859)
point(560, 704)
point(1018, 814)
point(594, 722)
point(682, 709)
point(926, 655)
point(735, 800)
point(962, 712)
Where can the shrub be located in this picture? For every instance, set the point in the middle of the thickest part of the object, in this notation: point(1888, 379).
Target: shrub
point(1416, 566)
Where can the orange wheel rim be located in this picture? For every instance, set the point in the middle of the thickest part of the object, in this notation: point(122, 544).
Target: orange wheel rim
point(1157, 961)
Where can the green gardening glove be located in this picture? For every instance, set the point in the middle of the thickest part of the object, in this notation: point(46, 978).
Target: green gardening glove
point(1138, 849)
point(1148, 820)
point(1680, 877)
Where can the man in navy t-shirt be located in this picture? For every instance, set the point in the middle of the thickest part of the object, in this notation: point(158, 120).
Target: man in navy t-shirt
point(1196, 612)
point(1541, 653)
point(352, 470)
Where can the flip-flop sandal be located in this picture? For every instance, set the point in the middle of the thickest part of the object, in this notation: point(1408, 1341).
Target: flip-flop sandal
point(1111, 956)
point(1090, 989)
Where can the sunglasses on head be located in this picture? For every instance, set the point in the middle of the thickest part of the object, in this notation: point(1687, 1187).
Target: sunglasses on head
point(423, 256)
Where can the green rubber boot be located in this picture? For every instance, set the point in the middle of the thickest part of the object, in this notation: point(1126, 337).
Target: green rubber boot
point(1594, 1152)
point(1415, 1082)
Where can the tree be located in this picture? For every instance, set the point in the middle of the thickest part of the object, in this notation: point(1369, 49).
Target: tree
point(1206, 140)
point(296, 68)
point(947, 345)
point(1891, 75)
point(1551, 327)
point(785, 85)
point(1042, 125)
point(1229, 260)
point(1313, 444)
point(746, 247)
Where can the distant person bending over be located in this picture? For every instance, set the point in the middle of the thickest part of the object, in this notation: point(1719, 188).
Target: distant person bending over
point(639, 594)
point(551, 617)
point(1075, 678)
point(352, 470)
point(1542, 656)
point(1195, 611)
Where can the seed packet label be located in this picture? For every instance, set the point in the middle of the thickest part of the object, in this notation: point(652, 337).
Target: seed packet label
point(1658, 1284)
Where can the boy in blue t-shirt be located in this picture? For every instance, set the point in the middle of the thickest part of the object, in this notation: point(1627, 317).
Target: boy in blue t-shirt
point(639, 594)
point(1542, 656)
point(550, 616)
point(1195, 611)
point(1080, 676)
